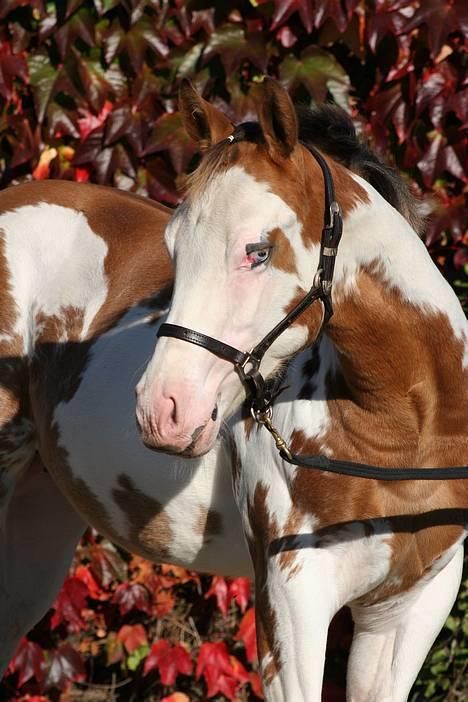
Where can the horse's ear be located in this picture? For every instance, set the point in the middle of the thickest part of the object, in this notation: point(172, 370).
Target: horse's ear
point(277, 118)
point(204, 123)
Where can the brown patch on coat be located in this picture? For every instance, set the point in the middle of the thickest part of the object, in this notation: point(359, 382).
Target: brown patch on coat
point(209, 523)
point(399, 409)
point(283, 256)
point(137, 269)
point(149, 525)
point(265, 530)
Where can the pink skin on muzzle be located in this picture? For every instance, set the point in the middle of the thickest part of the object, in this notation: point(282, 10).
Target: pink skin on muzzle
point(176, 413)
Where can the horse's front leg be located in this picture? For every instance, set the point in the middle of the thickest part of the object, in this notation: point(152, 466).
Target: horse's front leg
point(295, 598)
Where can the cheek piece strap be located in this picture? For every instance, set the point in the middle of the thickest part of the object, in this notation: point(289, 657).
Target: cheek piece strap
point(247, 364)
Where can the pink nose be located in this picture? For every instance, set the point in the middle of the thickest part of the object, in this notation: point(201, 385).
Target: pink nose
point(172, 421)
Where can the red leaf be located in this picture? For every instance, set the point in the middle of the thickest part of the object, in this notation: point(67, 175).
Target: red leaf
point(247, 634)
point(65, 666)
point(219, 589)
point(28, 661)
point(68, 605)
point(83, 572)
point(239, 589)
point(90, 122)
point(132, 636)
point(256, 684)
point(82, 175)
point(163, 602)
point(132, 596)
point(169, 660)
point(12, 66)
point(222, 672)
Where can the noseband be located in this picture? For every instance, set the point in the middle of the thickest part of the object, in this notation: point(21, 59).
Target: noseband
point(247, 364)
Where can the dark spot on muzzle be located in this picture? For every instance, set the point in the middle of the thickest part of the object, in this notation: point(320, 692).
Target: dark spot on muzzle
point(197, 433)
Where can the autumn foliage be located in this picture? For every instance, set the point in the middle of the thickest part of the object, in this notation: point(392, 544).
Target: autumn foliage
point(88, 91)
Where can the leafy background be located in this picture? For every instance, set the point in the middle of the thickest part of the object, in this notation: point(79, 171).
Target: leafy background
point(88, 93)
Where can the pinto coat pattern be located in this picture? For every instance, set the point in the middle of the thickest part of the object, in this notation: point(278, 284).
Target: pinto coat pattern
point(87, 277)
point(384, 385)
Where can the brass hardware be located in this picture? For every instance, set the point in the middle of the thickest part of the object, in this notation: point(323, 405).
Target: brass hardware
point(264, 418)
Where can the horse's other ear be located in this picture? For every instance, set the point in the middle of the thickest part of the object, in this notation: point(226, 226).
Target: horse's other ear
point(277, 118)
point(203, 122)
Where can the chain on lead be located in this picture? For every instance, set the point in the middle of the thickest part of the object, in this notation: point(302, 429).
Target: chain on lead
point(263, 418)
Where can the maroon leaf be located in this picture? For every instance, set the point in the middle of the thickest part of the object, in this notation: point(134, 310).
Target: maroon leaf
point(333, 9)
point(79, 26)
point(169, 660)
point(65, 666)
point(389, 17)
point(131, 596)
point(440, 19)
point(28, 662)
point(12, 66)
point(106, 563)
point(439, 157)
point(68, 605)
point(285, 8)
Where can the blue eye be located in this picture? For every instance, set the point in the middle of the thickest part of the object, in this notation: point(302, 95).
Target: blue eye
point(259, 255)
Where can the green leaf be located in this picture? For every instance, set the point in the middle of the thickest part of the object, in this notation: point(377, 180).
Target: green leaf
point(318, 71)
point(230, 42)
point(43, 77)
point(135, 658)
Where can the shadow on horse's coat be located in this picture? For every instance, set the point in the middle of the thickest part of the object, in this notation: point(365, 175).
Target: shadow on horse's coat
point(87, 278)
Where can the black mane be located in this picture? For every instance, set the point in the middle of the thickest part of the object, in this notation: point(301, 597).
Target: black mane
point(331, 130)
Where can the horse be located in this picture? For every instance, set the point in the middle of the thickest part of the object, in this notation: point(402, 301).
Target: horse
point(85, 280)
point(381, 382)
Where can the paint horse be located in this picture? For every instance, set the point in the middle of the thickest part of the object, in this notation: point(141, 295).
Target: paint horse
point(385, 384)
point(85, 278)
point(85, 282)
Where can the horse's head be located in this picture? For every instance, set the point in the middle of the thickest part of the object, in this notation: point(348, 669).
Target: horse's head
point(245, 248)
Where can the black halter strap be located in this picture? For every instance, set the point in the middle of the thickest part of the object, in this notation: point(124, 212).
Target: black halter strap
point(247, 364)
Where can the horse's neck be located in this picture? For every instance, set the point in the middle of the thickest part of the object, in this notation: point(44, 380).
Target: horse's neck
point(387, 382)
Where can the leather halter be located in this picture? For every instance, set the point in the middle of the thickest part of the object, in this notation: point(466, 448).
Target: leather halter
point(247, 364)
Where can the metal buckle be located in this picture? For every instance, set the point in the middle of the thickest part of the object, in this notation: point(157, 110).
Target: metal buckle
point(248, 359)
point(334, 210)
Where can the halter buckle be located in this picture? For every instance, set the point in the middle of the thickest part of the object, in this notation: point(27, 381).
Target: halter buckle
point(334, 211)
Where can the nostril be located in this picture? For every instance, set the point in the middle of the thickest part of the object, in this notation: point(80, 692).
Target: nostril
point(214, 414)
point(138, 423)
point(173, 410)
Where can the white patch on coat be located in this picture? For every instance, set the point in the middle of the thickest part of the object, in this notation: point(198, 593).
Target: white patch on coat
point(377, 233)
point(104, 444)
point(55, 261)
